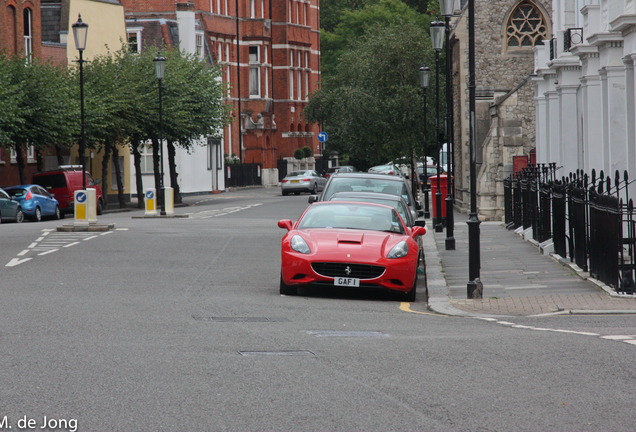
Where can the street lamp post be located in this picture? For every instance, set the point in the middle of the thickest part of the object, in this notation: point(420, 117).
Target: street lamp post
point(80, 32)
point(447, 8)
point(425, 74)
point(160, 67)
point(475, 287)
point(437, 40)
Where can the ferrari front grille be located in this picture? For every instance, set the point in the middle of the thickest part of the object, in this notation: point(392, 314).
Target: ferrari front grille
point(358, 271)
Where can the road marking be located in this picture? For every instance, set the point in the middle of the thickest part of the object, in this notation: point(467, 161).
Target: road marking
point(72, 244)
point(206, 214)
point(406, 307)
point(15, 261)
point(91, 237)
point(630, 339)
point(32, 245)
point(24, 252)
point(48, 252)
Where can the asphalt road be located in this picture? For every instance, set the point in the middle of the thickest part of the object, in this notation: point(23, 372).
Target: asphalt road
point(177, 325)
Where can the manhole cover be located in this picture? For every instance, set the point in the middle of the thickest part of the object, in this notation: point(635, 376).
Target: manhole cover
point(276, 353)
point(340, 333)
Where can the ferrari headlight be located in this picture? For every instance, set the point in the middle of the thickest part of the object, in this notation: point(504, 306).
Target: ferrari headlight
point(299, 245)
point(400, 250)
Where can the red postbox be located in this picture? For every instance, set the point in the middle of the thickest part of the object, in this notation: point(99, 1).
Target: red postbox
point(443, 186)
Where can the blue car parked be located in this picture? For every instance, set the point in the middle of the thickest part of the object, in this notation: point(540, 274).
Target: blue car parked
point(35, 201)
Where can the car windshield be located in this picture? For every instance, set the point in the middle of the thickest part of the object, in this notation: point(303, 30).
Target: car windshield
point(297, 174)
point(352, 216)
point(17, 192)
point(361, 184)
point(395, 204)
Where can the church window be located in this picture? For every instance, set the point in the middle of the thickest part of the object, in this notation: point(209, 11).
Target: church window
point(526, 27)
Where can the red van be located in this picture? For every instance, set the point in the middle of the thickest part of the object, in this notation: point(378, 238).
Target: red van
point(63, 183)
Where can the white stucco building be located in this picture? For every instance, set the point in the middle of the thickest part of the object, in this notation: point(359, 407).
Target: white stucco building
point(585, 87)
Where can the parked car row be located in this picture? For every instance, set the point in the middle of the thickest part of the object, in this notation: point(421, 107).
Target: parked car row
point(361, 231)
point(51, 195)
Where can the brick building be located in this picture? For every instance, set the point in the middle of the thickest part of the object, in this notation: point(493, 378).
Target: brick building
point(270, 54)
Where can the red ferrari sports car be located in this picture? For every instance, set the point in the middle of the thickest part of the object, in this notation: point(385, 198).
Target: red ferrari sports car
point(350, 244)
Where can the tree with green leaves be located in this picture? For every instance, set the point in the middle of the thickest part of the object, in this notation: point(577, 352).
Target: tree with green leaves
point(373, 105)
point(42, 105)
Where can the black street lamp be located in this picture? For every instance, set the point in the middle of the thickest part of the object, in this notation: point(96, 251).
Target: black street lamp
point(160, 67)
point(447, 8)
point(475, 288)
point(80, 32)
point(437, 40)
point(425, 74)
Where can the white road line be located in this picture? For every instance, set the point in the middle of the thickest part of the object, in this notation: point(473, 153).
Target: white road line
point(107, 232)
point(32, 245)
point(71, 244)
point(24, 252)
point(89, 238)
point(39, 239)
point(48, 252)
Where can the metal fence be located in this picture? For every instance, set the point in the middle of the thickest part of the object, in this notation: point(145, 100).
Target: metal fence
point(242, 175)
point(589, 219)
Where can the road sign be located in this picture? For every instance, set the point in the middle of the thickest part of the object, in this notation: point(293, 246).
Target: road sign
point(81, 197)
point(322, 137)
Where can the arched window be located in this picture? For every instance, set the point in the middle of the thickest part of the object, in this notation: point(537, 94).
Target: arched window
point(11, 29)
point(526, 27)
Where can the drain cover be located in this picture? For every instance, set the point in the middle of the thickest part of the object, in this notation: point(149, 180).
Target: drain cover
point(338, 333)
point(239, 319)
point(276, 353)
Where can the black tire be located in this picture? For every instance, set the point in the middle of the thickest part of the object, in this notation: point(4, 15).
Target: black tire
point(287, 289)
point(314, 189)
point(19, 215)
point(410, 296)
point(58, 213)
point(100, 208)
point(285, 193)
point(38, 214)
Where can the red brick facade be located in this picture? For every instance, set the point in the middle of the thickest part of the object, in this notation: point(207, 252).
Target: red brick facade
point(278, 39)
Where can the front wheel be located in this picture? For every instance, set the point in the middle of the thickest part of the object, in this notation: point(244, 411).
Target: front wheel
point(100, 207)
point(58, 213)
point(314, 189)
point(38, 214)
point(287, 289)
point(410, 296)
point(19, 216)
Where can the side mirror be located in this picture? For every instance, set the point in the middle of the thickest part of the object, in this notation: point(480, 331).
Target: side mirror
point(285, 223)
point(98, 181)
point(312, 199)
point(418, 231)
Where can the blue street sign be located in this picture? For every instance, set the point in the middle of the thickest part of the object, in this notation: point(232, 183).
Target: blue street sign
point(149, 195)
point(322, 136)
point(81, 197)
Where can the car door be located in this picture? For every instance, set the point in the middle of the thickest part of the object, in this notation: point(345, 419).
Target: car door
point(7, 209)
point(47, 205)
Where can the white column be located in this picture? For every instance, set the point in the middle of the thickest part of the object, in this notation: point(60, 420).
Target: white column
point(617, 127)
point(569, 131)
point(554, 132)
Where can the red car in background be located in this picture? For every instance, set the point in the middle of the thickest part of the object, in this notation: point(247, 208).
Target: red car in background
point(350, 244)
point(63, 183)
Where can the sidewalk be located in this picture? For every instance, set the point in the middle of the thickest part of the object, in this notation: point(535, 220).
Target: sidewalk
point(518, 280)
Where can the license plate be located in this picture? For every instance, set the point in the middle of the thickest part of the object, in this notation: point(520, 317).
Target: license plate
point(343, 281)
point(295, 181)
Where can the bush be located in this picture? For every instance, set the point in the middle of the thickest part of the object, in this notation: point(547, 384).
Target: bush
point(307, 151)
point(299, 154)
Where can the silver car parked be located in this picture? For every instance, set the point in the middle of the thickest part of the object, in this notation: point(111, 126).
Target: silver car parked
point(302, 181)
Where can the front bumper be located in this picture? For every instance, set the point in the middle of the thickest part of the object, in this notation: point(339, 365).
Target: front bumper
point(398, 274)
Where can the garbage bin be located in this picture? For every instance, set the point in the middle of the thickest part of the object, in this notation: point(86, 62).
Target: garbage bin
point(443, 185)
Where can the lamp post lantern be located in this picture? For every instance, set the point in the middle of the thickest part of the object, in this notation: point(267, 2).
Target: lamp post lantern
point(80, 32)
point(447, 8)
point(160, 67)
point(437, 40)
point(425, 74)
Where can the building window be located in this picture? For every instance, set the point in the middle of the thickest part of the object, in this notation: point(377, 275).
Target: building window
point(145, 151)
point(134, 40)
point(199, 42)
point(526, 27)
point(28, 33)
point(255, 72)
point(252, 9)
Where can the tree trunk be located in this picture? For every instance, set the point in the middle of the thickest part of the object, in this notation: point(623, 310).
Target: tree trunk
point(40, 160)
point(134, 145)
point(156, 169)
point(105, 159)
point(58, 153)
point(173, 173)
point(20, 160)
point(120, 183)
